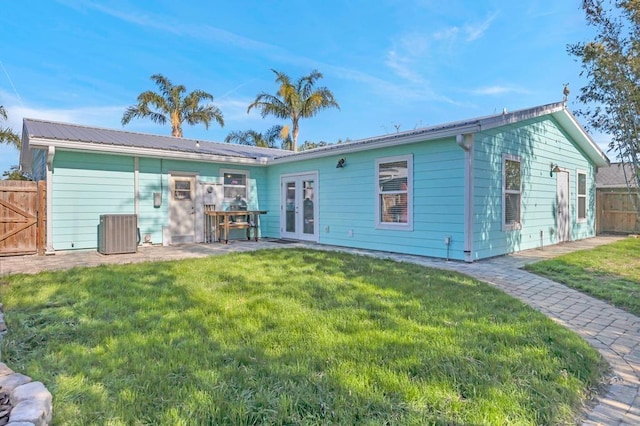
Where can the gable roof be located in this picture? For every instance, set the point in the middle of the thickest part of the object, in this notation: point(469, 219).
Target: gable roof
point(557, 110)
point(43, 133)
point(614, 176)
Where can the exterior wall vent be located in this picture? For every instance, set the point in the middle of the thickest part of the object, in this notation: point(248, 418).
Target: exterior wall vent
point(118, 233)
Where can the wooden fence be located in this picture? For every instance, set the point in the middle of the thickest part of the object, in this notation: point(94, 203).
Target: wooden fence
point(22, 217)
point(617, 212)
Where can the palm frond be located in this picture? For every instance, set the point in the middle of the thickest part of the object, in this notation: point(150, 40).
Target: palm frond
point(9, 137)
point(170, 104)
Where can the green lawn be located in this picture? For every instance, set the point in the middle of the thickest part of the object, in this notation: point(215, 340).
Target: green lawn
point(291, 337)
point(610, 272)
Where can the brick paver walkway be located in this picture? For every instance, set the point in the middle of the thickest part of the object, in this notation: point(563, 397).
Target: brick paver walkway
point(613, 332)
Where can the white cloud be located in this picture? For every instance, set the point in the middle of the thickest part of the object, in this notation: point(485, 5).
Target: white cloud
point(498, 90)
point(448, 34)
point(477, 30)
point(470, 31)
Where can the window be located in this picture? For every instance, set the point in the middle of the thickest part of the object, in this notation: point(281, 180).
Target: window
point(235, 183)
point(394, 197)
point(582, 196)
point(182, 190)
point(511, 192)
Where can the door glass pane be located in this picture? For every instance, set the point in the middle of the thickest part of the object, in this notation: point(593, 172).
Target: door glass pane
point(182, 190)
point(307, 207)
point(290, 213)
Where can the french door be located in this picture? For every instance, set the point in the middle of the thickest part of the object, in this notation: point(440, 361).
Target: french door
point(299, 206)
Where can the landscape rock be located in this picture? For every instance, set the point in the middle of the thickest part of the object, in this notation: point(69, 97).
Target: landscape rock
point(12, 381)
point(32, 411)
point(4, 370)
point(32, 390)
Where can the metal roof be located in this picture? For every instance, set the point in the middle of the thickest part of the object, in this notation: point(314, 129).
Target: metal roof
point(43, 133)
point(558, 110)
point(55, 131)
point(614, 176)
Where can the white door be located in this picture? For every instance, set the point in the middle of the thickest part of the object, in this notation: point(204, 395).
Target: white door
point(563, 218)
point(299, 207)
point(182, 212)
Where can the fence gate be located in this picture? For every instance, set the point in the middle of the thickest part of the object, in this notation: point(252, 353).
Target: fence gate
point(22, 217)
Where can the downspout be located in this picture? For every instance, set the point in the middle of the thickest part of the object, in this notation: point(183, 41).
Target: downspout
point(50, 154)
point(466, 143)
point(136, 186)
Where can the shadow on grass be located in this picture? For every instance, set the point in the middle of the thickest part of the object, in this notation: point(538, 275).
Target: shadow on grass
point(290, 337)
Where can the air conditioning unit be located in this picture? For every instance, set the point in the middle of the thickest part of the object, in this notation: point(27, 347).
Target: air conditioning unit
point(118, 233)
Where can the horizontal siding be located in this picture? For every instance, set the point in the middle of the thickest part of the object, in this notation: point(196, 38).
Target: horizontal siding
point(347, 200)
point(89, 185)
point(539, 143)
point(85, 187)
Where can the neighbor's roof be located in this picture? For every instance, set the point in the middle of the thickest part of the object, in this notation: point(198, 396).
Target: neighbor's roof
point(42, 134)
point(614, 176)
point(557, 110)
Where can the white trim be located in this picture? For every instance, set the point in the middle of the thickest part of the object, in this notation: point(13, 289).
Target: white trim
point(466, 143)
point(516, 225)
point(51, 152)
point(143, 152)
point(578, 196)
point(408, 226)
point(136, 186)
point(247, 184)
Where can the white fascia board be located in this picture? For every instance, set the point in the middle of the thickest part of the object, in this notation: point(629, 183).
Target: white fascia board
point(142, 152)
point(367, 144)
point(577, 132)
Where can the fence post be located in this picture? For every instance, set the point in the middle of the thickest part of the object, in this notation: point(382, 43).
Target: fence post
point(41, 232)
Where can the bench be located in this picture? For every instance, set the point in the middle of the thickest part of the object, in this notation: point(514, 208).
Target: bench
point(248, 225)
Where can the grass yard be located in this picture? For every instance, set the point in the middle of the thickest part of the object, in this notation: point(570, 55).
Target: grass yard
point(291, 337)
point(610, 272)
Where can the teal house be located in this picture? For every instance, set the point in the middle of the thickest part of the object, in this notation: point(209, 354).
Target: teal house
point(466, 190)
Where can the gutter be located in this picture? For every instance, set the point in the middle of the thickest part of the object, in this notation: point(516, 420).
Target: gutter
point(465, 141)
point(144, 152)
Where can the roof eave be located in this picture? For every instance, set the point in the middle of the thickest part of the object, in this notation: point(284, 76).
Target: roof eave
point(432, 133)
point(35, 143)
point(576, 131)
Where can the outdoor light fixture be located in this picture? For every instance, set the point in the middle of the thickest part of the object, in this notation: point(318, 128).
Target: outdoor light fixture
point(340, 163)
point(554, 169)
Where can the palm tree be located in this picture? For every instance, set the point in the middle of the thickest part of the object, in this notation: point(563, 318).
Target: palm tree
point(8, 136)
point(169, 104)
point(268, 139)
point(295, 100)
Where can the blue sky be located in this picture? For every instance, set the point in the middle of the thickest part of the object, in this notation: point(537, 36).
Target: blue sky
point(389, 63)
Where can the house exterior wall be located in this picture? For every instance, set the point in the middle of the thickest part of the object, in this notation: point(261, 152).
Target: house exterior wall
point(347, 199)
point(84, 187)
point(87, 185)
point(539, 143)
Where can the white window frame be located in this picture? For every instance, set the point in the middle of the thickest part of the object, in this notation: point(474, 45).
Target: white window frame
point(579, 196)
point(516, 225)
point(247, 176)
point(408, 226)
